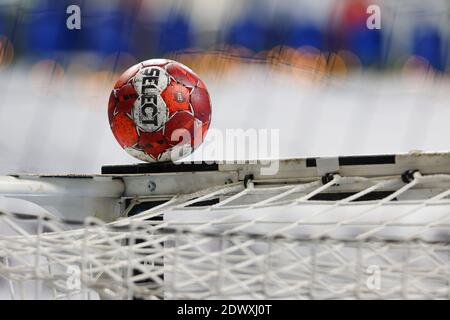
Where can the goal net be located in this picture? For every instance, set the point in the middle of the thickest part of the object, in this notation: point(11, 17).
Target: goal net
point(369, 230)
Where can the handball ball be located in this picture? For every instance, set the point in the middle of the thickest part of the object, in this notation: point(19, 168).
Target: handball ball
point(159, 110)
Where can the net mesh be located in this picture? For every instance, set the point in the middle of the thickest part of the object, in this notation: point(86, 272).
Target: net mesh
point(350, 237)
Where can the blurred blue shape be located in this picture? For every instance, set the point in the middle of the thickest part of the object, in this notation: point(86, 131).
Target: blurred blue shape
point(175, 33)
point(427, 43)
point(364, 43)
point(107, 31)
point(248, 32)
point(305, 34)
point(2, 27)
point(45, 29)
point(279, 29)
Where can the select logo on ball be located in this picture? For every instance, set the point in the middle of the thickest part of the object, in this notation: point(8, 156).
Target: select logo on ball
point(150, 112)
point(149, 80)
point(150, 102)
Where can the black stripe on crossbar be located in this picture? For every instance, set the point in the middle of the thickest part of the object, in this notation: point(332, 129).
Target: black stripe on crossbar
point(358, 160)
point(159, 167)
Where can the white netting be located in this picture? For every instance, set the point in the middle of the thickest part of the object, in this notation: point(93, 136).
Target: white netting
point(348, 238)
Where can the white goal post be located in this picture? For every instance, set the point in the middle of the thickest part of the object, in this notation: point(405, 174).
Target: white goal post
point(359, 227)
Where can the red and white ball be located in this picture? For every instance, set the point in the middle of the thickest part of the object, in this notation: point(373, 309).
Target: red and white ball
point(159, 110)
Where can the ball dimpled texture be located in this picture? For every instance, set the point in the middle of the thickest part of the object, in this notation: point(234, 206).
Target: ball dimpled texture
point(159, 110)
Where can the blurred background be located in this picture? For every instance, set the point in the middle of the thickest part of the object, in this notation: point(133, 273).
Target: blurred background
point(310, 69)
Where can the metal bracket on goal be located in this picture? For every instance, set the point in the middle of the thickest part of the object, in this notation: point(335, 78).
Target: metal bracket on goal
point(327, 165)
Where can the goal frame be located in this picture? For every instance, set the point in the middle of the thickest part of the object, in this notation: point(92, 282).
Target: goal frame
point(108, 195)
